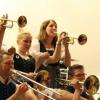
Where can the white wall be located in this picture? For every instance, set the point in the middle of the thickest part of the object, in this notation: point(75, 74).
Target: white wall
point(73, 16)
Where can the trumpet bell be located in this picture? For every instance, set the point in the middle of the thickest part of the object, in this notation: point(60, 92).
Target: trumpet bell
point(22, 21)
point(82, 39)
point(91, 84)
point(42, 76)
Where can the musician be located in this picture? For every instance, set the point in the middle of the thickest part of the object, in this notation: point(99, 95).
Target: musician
point(43, 78)
point(23, 61)
point(9, 90)
point(77, 72)
point(47, 42)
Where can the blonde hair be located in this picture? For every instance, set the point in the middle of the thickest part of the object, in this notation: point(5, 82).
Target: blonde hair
point(21, 35)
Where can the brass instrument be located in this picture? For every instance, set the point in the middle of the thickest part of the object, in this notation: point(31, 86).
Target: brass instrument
point(82, 39)
point(91, 84)
point(16, 75)
point(41, 77)
point(22, 21)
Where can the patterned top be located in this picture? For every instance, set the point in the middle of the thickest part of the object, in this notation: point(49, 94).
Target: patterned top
point(25, 65)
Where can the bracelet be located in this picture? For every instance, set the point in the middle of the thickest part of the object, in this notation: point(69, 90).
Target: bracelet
point(58, 43)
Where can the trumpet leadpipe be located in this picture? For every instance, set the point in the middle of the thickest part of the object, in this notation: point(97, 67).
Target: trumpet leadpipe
point(91, 84)
point(22, 21)
point(26, 78)
point(38, 91)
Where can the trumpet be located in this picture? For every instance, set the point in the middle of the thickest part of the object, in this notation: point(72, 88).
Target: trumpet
point(91, 84)
point(16, 75)
point(82, 39)
point(22, 21)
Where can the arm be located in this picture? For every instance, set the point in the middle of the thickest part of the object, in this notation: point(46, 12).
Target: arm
point(2, 29)
point(39, 57)
point(20, 90)
point(57, 53)
point(65, 95)
point(75, 83)
point(67, 58)
point(77, 96)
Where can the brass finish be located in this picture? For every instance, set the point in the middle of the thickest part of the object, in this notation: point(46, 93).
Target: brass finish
point(17, 75)
point(22, 21)
point(82, 39)
point(91, 84)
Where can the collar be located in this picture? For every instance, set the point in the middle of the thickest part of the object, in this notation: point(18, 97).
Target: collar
point(4, 81)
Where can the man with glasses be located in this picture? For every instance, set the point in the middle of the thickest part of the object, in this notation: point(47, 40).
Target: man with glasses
point(76, 72)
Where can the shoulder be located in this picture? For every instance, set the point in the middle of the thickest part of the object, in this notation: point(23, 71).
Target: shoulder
point(35, 46)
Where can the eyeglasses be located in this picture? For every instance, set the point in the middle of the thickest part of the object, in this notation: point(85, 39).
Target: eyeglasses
point(80, 75)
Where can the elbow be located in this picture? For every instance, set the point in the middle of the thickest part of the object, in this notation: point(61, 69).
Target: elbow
point(56, 59)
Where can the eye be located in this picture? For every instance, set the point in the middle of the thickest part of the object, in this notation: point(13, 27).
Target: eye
point(9, 63)
point(27, 41)
point(51, 25)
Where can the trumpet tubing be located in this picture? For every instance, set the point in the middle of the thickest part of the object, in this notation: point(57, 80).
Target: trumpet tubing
point(16, 73)
point(91, 84)
point(22, 21)
point(82, 39)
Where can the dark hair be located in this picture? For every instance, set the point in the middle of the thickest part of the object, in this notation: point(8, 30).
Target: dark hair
point(73, 68)
point(2, 53)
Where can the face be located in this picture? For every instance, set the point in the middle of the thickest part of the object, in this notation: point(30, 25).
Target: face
point(25, 43)
point(6, 64)
point(51, 29)
point(79, 74)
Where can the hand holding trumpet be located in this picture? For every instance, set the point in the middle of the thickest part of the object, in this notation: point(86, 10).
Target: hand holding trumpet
point(4, 20)
point(82, 39)
point(62, 37)
point(21, 89)
point(32, 75)
point(22, 21)
point(75, 83)
point(66, 40)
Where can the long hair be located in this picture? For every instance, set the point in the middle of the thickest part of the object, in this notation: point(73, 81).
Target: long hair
point(43, 34)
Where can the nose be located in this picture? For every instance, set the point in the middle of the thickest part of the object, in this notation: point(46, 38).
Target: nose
point(54, 28)
point(28, 43)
